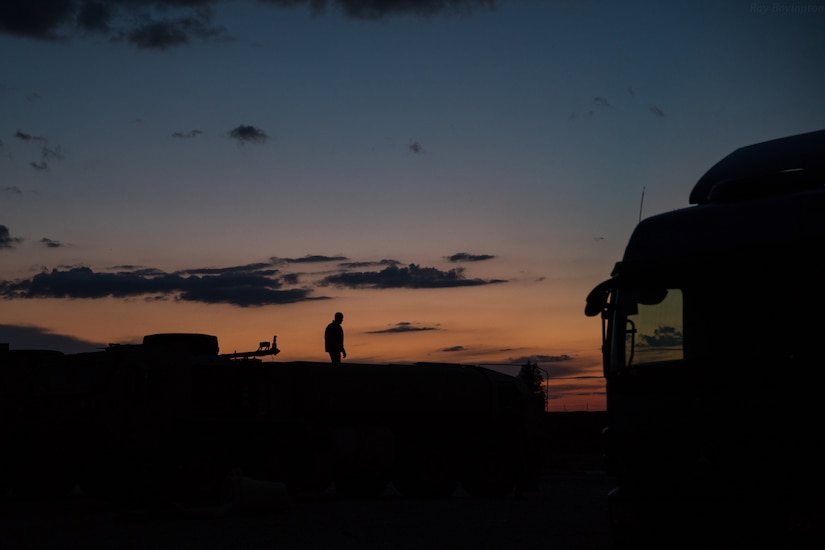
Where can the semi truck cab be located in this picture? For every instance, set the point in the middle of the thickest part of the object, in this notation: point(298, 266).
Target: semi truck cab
point(712, 331)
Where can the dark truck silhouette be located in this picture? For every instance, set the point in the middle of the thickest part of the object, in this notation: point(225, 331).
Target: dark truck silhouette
point(713, 326)
point(171, 418)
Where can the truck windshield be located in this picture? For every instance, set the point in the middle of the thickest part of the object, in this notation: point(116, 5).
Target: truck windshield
point(647, 327)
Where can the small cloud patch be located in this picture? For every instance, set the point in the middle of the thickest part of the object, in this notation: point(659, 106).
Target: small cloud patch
point(248, 134)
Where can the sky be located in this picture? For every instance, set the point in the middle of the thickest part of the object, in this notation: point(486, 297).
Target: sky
point(453, 175)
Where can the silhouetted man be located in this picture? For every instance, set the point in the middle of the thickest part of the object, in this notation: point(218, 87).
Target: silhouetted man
point(334, 339)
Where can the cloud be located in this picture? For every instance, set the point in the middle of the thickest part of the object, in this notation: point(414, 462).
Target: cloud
point(599, 100)
point(246, 295)
point(6, 240)
point(662, 337)
point(187, 135)
point(163, 24)
point(454, 349)
point(162, 34)
point(657, 111)
point(464, 257)
point(262, 268)
point(95, 16)
point(412, 276)
point(14, 190)
point(379, 9)
point(28, 137)
point(146, 24)
point(35, 19)
point(246, 134)
point(310, 259)
point(48, 153)
point(253, 284)
point(356, 265)
point(50, 243)
point(402, 327)
point(241, 287)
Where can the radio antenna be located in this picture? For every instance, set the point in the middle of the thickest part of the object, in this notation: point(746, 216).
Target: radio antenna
point(641, 203)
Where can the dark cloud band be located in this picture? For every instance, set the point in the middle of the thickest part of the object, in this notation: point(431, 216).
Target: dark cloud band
point(240, 288)
point(412, 276)
point(163, 24)
point(253, 284)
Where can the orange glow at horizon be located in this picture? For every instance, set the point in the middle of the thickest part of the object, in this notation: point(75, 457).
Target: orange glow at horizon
point(483, 326)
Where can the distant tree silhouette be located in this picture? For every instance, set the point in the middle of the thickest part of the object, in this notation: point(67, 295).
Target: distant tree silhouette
point(532, 377)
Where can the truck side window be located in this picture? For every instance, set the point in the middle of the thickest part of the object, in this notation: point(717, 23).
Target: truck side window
point(653, 327)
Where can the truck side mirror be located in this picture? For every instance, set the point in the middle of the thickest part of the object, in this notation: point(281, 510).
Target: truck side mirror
point(597, 299)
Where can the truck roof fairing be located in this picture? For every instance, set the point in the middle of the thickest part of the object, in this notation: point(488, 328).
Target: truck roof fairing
point(772, 167)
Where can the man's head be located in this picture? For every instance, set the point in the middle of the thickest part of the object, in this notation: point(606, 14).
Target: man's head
point(339, 317)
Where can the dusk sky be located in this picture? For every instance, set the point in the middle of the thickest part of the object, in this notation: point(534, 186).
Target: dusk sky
point(454, 176)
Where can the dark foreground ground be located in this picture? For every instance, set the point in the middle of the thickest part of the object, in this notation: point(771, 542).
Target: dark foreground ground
point(568, 511)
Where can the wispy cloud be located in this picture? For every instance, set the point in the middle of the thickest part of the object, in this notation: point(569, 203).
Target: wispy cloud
point(49, 243)
point(602, 101)
point(465, 257)
point(359, 265)
point(454, 349)
point(310, 259)
point(657, 111)
point(46, 152)
point(187, 135)
point(402, 327)
point(29, 137)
